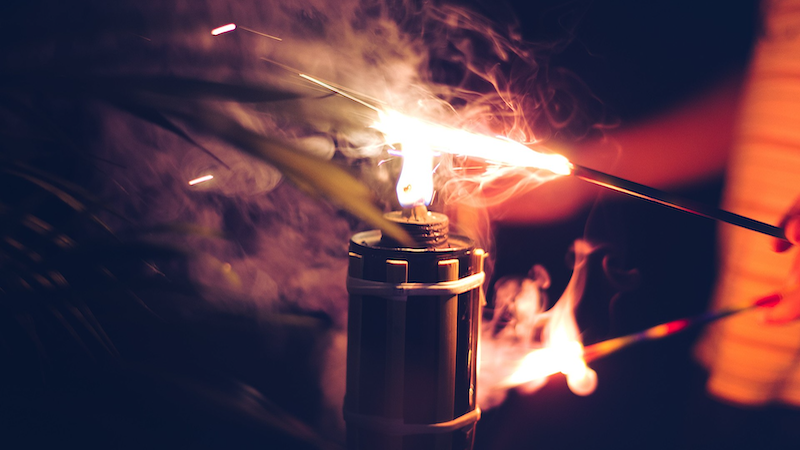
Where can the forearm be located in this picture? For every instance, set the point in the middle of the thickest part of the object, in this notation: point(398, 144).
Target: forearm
point(684, 145)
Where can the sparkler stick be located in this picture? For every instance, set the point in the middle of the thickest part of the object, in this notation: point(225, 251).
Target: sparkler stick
point(673, 201)
point(604, 348)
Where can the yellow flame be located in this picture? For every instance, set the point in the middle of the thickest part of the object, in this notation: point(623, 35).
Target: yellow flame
point(415, 185)
point(566, 358)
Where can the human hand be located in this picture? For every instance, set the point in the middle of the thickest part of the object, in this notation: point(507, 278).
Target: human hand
point(788, 308)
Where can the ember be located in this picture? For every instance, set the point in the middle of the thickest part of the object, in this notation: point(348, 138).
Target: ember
point(201, 180)
point(223, 29)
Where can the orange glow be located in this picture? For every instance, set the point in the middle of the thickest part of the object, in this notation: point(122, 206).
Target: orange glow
point(399, 128)
point(565, 357)
point(223, 29)
point(201, 179)
point(559, 349)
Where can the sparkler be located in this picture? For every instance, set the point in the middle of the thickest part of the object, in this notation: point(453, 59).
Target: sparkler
point(604, 348)
point(398, 127)
point(504, 151)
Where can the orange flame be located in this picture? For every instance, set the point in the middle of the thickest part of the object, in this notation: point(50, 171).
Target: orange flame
point(531, 344)
point(562, 349)
point(566, 357)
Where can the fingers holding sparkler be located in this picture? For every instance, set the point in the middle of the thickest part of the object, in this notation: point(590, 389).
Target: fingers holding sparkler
point(791, 226)
point(787, 305)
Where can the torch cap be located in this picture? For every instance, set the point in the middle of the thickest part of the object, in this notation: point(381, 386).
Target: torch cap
point(428, 229)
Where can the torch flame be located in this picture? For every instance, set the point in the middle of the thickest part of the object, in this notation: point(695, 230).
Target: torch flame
point(530, 344)
point(415, 185)
point(420, 140)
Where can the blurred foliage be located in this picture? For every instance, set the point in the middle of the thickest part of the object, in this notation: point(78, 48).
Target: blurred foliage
point(104, 339)
point(66, 277)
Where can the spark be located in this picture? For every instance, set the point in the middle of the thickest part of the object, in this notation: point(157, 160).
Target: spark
point(223, 29)
point(200, 180)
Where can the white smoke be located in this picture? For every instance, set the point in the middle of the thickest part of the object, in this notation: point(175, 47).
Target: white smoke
point(289, 250)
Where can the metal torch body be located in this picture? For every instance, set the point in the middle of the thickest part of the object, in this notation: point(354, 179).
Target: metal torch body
point(412, 346)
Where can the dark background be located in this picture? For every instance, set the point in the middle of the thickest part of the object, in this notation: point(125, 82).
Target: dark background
point(636, 57)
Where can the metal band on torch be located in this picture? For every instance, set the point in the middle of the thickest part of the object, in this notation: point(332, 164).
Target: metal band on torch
point(357, 286)
point(400, 428)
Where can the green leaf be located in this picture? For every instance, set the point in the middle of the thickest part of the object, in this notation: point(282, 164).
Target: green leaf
point(314, 175)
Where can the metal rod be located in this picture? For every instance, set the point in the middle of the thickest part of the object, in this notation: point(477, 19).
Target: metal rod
point(673, 201)
point(604, 348)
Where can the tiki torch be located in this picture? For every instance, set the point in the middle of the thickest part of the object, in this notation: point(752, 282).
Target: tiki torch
point(413, 323)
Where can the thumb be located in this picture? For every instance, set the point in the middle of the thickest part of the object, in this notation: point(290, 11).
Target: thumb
point(791, 228)
point(781, 308)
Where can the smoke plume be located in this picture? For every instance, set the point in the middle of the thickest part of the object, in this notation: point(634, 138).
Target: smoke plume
point(288, 250)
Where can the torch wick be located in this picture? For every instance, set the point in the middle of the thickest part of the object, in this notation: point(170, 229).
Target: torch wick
point(416, 213)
